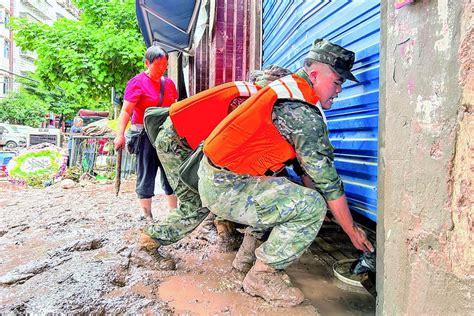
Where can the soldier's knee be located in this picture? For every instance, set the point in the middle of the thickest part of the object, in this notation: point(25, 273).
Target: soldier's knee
point(316, 209)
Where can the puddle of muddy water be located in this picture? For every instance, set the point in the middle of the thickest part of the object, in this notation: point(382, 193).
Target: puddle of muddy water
point(216, 289)
point(329, 295)
point(218, 293)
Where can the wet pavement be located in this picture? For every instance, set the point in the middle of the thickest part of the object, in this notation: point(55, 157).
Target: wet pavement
point(74, 250)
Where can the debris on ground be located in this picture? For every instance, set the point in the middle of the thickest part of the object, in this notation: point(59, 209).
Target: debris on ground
point(76, 251)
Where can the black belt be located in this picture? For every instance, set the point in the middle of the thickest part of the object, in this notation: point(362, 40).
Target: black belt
point(270, 173)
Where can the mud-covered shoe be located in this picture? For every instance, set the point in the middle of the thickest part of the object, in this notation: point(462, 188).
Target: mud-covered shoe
point(273, 286)
point(163, 263)
point(148, 243)
point(207, 229)
point(245, 257)
point(151, 246)
point(227, 237)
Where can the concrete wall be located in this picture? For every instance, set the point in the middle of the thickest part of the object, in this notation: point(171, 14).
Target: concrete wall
point(425, 229)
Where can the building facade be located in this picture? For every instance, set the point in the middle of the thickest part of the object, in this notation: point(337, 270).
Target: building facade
point(14, 62)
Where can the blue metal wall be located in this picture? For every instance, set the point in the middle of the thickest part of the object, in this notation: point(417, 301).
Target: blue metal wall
point(289, 28)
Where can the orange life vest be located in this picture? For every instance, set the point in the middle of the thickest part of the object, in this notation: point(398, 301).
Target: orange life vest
point(246, 141)
point(194, 118)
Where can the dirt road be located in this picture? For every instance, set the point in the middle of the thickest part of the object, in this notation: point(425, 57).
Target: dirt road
point(74, 250)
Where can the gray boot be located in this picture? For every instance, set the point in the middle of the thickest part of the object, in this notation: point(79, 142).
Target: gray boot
point(273, 286)
point(245, 257)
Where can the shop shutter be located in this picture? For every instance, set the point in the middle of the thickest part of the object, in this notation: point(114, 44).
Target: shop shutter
point(289, 28)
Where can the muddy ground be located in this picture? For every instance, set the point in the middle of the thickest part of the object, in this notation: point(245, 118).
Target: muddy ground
point(74, 250)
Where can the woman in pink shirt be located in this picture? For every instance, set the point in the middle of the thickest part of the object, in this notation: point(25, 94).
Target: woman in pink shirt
point(142, 92)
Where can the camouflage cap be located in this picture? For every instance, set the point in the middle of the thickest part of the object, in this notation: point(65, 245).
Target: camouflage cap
point(255, 74)
point(268, 74)
point(340, 59)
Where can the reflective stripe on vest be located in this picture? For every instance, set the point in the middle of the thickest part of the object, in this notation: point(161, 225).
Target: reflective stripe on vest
point(246, 141)
point(292, 91)
point(245, 89)
point(195, 117)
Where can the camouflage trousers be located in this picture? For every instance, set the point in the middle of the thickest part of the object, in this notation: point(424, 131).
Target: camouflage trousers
point(293, 213)
point(189, 213)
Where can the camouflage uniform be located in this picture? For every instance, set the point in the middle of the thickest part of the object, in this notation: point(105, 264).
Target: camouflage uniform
point(294, 212)
point(173, 151)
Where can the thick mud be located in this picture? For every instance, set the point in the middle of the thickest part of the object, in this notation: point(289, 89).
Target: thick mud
point(74, 250)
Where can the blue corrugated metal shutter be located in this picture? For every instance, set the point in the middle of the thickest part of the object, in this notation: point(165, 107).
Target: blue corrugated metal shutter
point(289, 28)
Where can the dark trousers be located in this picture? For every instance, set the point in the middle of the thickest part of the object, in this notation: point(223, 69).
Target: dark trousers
point(147, 167)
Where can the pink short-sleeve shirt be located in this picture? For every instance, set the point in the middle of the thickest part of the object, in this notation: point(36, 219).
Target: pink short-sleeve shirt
point(145, 93)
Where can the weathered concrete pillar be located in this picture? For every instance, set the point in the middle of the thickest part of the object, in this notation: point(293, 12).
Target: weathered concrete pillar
point(173, 66)
point(426, 228)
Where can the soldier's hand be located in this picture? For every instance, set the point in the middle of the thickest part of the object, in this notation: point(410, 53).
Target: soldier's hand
point(359, 239)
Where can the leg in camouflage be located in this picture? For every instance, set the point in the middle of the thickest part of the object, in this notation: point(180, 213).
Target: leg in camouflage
point(181, 221)
point(294, 213)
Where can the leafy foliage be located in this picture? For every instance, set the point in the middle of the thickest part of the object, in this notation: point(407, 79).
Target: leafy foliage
point(23, 108)
point(82, 60)
point(58, 101)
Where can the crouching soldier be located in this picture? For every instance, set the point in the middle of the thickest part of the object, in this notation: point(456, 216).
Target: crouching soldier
point(281, 122)
point(190, 121)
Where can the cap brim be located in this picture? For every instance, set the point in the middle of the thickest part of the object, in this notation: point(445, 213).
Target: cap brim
point(348, 75)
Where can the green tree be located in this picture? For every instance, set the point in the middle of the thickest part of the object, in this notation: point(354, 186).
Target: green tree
point(24, 109)
point(59, 102)
point(82, 60)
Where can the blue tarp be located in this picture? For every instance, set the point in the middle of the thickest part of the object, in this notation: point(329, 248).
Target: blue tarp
point(171, 23)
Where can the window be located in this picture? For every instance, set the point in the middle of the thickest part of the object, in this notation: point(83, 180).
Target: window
point(6, 83)
point(6, 19)
point(6, 49)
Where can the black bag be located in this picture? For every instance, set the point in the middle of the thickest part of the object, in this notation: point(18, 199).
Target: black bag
point(188, 171)
point(133, 140)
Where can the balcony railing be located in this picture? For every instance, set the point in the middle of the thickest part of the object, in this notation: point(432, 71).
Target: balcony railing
point(37, 8)
point(28, 55)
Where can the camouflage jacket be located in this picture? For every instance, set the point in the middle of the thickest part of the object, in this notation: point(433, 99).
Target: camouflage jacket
point(303, 127)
